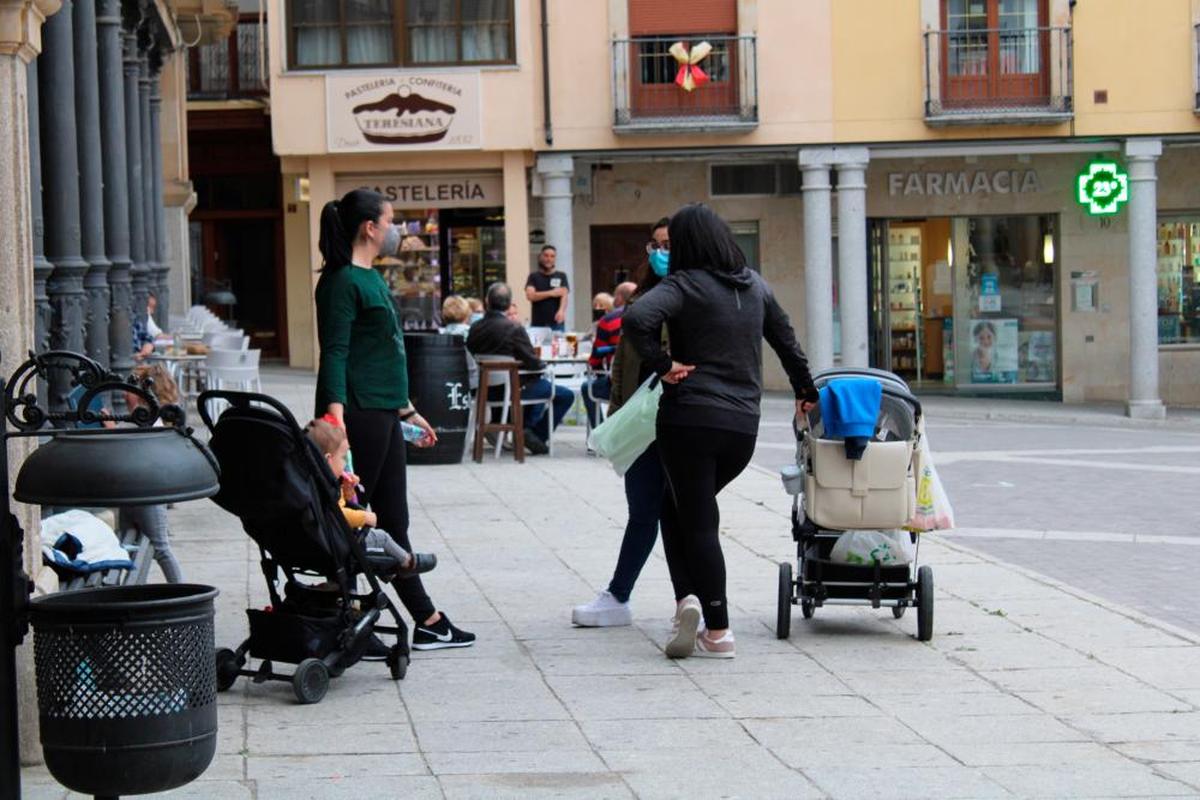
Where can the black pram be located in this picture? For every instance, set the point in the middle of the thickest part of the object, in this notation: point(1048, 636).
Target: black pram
point(281, 488)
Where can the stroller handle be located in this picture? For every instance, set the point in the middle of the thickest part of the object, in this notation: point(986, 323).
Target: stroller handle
point(241, 400)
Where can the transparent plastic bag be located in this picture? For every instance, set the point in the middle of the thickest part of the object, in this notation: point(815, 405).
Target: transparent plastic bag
point(629, 430)
point(863, 548)
point(934, 512)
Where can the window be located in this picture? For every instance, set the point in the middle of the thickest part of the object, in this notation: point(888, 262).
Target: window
point(746, 236)
point(743, 179)
point(1179, 281)
point(357, 33)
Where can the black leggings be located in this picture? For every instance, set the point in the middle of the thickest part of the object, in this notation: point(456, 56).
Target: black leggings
point(699, 462)
point(380, 460)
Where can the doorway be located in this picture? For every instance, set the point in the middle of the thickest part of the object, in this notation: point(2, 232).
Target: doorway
point(243, 252)
point(618, 253)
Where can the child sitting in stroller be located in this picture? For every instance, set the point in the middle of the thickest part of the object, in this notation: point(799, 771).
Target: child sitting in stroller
point(333, 444)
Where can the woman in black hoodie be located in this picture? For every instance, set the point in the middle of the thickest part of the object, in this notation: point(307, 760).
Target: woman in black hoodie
point(717, 312)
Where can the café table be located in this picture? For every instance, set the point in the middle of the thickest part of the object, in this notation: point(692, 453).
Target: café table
point(183, 368)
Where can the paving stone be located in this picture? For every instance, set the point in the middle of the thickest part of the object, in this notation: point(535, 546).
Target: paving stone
point(744, 772)
point(905, 783)
point(1090, 780)
point(499, 737)
point(519, 786)
point(333, 767)
point(633, 697)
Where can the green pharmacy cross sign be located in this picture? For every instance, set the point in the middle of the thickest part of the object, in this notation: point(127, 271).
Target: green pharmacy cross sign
point(1103, 188)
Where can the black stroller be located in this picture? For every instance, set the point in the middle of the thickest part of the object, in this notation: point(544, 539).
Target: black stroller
point(820, 579)
point(280, 487)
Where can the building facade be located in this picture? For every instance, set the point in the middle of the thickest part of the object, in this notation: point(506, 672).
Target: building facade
point(907, 175)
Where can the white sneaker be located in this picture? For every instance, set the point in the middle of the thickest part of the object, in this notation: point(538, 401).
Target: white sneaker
point(687, 622)
point(606, 611)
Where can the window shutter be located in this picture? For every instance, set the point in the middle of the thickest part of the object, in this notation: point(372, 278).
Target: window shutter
point(656, 18)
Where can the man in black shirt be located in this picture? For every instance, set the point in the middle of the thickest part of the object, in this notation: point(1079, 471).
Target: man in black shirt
point(497, 335)
point(547, 290)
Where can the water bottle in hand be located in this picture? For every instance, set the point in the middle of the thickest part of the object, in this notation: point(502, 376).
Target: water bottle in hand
point(412, 433)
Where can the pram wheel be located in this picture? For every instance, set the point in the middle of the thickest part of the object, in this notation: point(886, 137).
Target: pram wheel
point(898, 611)
point(311, 681)
point(397, 661)
point(783, 611)
point(807, 608)
point(228, 665)
point(925, 604)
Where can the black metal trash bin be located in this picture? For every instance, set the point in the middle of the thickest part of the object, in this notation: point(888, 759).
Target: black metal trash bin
point(439, 385)
point(126, 686)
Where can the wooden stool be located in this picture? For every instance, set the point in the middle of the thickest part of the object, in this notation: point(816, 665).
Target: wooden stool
point(483, 419)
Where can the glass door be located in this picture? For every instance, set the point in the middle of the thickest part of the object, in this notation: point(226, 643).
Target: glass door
point(905, 258)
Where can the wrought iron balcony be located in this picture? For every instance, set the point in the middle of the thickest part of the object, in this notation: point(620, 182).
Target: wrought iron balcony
point(988, 76)
point(650, 80)
point(230, 68)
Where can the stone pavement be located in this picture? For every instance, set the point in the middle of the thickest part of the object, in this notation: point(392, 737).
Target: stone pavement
point(1029, 688)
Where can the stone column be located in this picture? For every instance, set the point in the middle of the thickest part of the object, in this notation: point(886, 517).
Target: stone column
point(139, 272)
point(146, 192)
point(818, 258)
point(558, 171)
point(852, 254)
point(41, 266)
point(116, 184)
point(60, 174)
point(20, 42)
point(162, 257)
point(91, 181)
point(1144, 399)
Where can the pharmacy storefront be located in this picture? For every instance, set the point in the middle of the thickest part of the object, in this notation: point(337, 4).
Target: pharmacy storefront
point(1010, 274)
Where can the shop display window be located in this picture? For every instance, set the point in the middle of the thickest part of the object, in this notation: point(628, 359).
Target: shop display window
point(1178, 272)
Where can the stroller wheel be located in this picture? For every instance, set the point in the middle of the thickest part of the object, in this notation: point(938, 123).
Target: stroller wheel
point(898, 611)
point(925, 604)
point(397, 662)
point(783, 611)
point(311, 681)
point(807, 608)
point(227, 668)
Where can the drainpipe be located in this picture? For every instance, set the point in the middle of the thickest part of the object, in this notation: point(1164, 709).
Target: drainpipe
point(546, 76)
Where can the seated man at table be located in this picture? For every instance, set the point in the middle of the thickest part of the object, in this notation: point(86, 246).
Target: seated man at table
point(604, 347)
point(497, 335)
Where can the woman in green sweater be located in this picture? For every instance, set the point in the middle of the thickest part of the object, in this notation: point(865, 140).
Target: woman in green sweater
point(362, 381)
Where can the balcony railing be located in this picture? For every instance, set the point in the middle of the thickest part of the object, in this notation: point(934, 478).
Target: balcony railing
point(998, 75)
point(230, 68)
point(647, 98)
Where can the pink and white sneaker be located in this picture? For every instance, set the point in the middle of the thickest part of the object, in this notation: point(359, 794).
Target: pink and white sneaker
point(687, 622)
point(714, 648)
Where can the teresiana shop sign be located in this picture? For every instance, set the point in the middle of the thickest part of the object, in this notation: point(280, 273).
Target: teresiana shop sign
point(963, 182)
point(406, 111)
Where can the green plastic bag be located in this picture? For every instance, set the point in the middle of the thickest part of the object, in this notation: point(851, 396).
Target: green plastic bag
point(627, 433)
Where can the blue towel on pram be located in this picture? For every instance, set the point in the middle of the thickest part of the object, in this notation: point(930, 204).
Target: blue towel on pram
point(849, 411)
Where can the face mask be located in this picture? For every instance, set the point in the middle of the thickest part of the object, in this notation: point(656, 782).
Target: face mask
point(391, 242)
point(597, 314)
point(660, 262)
point(475, 317)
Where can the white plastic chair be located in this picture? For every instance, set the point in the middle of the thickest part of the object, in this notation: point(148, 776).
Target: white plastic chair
point(227, 340)
point(233, 369)
point(505, 404)
point(601, 403)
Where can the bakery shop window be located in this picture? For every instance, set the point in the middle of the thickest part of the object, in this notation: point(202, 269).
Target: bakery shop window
point(354, 33)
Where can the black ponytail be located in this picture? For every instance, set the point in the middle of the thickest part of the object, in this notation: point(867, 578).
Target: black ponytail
point(340, 221)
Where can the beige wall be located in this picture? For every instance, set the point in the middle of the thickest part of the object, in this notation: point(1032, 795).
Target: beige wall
point(508, 94)
point(641, 193)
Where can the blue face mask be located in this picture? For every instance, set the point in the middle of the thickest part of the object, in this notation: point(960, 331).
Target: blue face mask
point(660, 262)
point(475, 317)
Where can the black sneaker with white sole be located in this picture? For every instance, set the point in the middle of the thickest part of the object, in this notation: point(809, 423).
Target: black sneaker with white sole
point(440, 635)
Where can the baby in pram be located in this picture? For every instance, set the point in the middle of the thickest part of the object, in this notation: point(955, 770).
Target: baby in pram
point(333, 444)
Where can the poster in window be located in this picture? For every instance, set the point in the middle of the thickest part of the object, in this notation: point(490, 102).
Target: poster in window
point(994, 350)
point(989, 292)
point(405, 111)
point(1037, 357)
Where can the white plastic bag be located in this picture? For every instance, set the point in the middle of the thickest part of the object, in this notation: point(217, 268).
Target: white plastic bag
point(863, 548)
point(630, 429)
point(934, 512)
